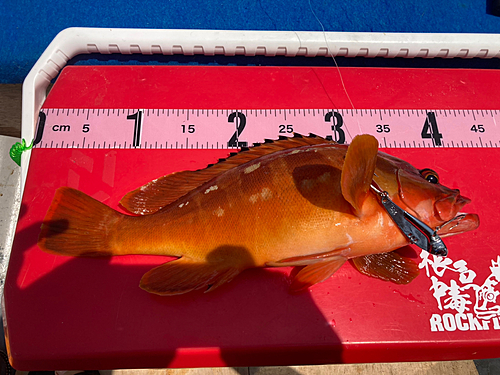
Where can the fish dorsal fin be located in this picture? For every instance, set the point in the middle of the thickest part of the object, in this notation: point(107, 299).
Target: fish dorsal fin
point(358, 169)
point(161, 192)
point(388, 267)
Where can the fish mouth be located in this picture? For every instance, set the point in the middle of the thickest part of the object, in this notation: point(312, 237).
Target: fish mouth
point(461, 223)
point(446, 208)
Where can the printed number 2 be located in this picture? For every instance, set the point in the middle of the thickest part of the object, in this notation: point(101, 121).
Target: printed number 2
point(241, 122)
point(338, 121)
point(430, 129)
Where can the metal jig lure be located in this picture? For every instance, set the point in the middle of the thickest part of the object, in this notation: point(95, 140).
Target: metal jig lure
point(417, 232)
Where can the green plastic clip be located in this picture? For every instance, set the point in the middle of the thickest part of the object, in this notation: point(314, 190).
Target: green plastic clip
point(17, 149)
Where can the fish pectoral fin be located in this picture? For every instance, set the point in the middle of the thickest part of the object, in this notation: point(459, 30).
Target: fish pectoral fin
point(388, 267)
point(316, 273)
point(357, 172)
point(185, 275)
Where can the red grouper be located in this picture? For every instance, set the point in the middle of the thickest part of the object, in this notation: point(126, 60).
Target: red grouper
point(303, 201)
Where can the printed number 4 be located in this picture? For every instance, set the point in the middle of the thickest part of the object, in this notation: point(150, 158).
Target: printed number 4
point(430, 129)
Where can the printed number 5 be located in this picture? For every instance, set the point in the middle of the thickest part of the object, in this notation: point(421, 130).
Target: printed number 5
point(86, 128)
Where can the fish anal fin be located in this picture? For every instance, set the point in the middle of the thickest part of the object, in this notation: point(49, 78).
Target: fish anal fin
point(358, 169)
point(185, 275)
point(316, 273)
point(161, 192)
point(388, 267)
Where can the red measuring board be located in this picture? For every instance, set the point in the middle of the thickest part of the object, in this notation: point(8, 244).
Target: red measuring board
point(64, 312)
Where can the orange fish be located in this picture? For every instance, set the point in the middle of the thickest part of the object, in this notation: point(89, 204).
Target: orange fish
point(303, 201)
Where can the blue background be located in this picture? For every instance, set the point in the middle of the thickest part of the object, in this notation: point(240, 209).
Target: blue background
point(28, 26)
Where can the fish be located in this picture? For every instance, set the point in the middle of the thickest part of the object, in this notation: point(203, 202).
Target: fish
point(301, 201)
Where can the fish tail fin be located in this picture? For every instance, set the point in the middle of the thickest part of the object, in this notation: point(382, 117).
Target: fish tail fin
point(77, 225)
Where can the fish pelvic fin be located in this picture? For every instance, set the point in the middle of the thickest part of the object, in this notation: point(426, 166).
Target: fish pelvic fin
point(388, 267)
point(159, 193)
point(316, 273)
point(358, 169)
point(77, 225)
point(185, 275)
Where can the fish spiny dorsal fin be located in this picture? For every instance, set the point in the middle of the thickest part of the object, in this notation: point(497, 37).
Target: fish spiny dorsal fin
point(159, 193)
point(358, 169)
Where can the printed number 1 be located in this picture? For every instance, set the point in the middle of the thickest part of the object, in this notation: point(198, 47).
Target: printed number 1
point(430, 129)
point(137, 117)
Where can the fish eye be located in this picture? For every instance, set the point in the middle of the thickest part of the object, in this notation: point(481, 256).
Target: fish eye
point(430, 175)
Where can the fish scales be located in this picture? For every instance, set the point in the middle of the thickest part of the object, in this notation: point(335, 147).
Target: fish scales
point(294, 202)
point(290, 205)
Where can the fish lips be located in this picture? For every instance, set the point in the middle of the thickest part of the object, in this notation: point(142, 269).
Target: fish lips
point(455, 223)
point(446, 208)
point(459, 224)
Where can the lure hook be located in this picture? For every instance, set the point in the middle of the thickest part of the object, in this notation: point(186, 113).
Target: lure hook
point(415, 230)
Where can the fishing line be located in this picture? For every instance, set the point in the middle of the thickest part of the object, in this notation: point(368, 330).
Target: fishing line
point(336, 65)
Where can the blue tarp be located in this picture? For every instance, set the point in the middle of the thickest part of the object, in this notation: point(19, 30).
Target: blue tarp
point(27, 26)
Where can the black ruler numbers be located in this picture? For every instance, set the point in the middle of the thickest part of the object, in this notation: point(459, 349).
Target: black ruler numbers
point(429, 129)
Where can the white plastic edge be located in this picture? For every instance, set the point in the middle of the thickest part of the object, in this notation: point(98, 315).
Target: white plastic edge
point(74, 41)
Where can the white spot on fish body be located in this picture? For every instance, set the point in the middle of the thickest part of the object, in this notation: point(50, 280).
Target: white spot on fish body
point(181, 205)
point(324, 177)
point(252, 168)
point(307, 184)
point(380, 219)
point(211, 188)
point(266, 194)
point(295, 152)
point(219, 211)
point(350, 242)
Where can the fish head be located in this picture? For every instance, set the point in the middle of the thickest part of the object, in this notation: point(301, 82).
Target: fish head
point(419, 192)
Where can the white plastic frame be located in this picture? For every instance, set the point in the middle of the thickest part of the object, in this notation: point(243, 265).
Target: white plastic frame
point(74, 41)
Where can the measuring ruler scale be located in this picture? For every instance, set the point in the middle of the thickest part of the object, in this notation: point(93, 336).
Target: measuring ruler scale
point(221, 129)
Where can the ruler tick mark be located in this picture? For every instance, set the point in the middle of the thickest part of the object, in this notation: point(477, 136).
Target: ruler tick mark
point(106, 127)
